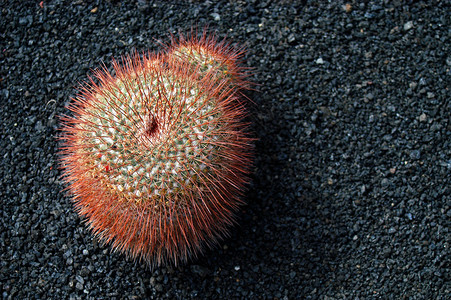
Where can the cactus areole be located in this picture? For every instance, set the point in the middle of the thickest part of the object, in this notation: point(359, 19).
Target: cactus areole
point(156, 157)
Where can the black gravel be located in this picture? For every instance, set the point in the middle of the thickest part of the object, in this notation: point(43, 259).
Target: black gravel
point(351, 193)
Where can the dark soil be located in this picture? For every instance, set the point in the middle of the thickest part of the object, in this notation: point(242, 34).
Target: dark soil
point(351, 191)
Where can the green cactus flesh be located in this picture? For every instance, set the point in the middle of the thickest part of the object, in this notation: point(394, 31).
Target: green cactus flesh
point(149, 135)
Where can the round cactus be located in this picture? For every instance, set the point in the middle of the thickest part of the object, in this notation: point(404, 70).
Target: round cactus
point(156, 157)
point(206, 55)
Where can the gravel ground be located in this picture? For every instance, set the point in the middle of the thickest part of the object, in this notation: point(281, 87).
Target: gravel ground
point(351, 190)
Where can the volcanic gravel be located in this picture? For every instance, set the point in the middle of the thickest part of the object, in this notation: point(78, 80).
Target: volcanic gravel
point(350, 197)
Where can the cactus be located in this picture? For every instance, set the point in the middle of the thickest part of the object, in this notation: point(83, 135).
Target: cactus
point(156, 158)
point(205, 55)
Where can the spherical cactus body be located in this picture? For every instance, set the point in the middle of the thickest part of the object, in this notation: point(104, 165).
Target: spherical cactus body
point(157, 156)
point(205, 55)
